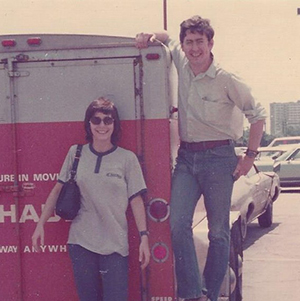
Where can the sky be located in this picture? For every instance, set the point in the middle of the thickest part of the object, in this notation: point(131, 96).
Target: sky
point(258, 40)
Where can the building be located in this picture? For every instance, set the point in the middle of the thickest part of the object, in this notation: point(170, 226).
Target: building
point(285, 118)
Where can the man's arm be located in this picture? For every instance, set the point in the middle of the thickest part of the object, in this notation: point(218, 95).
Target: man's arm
point(246, 162)
point(142, 38)
point(255, 134)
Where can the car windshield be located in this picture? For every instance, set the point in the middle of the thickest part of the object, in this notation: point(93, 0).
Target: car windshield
point(269, 155)
point(284, 141)
point(285, 155)
point(296, 155)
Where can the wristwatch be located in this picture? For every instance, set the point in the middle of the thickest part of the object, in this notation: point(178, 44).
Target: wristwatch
point(251, 153)
point(145, 232)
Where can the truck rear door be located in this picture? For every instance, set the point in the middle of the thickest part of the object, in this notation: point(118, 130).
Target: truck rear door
point(43, 102)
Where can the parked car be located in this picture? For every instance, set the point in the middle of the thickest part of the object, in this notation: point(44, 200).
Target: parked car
point(267, 156)
point(287, 166)
point(284, 141)
point(253, 197)
point(232, 284)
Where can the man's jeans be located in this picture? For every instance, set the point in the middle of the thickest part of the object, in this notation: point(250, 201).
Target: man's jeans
point(209, 173)
point(99, 275)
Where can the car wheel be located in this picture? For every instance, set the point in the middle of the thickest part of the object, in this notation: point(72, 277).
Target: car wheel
point(236, 255)
point(266, 219)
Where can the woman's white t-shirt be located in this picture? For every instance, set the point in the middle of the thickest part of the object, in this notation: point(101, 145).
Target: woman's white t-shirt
point(107, 182)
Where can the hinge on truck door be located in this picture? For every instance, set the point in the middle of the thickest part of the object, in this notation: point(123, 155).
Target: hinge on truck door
point(137, 92)
point(18, 73)
point(138, 60)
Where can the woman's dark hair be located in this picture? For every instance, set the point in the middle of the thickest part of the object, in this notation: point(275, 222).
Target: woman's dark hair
point(196, 25)
point(106, 107)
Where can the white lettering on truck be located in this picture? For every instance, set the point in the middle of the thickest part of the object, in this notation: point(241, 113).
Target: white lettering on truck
point(28, 213)
point(37, 177)
point(11, 178)
point(47, 248)
point(10, 213)
point(45, 177)
point(8, 249)
point(161, 299)
point(30, 249)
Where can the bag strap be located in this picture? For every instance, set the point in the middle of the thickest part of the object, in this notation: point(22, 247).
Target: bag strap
point(76, 161)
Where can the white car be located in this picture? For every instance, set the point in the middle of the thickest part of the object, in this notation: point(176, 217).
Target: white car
point(231, 289)
point(267, 156)
point(253, 197)
point(287, 166)
point(285, 141)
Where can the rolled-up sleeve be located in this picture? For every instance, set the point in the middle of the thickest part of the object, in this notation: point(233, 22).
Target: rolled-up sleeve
point(241, 95)
point(257, 113)
point(134, 177)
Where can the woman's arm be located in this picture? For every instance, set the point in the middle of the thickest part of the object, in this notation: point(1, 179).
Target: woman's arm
point(38, 235)
point(139, 214)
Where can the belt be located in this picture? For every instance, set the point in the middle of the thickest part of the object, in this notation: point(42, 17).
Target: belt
point(203, 145)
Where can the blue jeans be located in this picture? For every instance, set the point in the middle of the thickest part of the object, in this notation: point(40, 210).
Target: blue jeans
point(99, 277)
point(209, 173)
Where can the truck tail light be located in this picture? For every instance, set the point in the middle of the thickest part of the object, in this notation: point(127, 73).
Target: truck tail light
point(34, 41)
point(152, 56)
point(160, 252)
point(158, 210)
point(8, 43)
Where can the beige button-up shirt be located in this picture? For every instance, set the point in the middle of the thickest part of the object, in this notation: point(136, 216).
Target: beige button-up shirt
point(211, 105)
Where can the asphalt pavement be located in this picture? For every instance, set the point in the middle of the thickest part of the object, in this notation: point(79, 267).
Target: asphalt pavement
point(271, 270)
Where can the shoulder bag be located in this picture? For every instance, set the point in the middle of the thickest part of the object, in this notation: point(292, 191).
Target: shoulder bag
point(68, 202)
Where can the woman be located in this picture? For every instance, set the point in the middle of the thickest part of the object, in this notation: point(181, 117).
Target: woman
point(109, 177)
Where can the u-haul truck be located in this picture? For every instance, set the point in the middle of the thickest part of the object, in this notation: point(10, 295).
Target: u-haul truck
point(47, 82)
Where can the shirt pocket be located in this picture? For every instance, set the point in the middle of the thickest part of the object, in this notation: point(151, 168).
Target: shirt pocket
point(216, 111)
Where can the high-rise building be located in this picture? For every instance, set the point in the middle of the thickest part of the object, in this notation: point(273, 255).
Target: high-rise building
point(285, 118)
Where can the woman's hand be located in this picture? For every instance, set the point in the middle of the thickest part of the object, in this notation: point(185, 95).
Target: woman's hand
point(38, 234)
point(139, 214)
point(38, 238)
point(144, 255)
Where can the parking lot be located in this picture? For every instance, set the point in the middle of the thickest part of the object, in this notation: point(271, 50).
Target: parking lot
point(272, 257)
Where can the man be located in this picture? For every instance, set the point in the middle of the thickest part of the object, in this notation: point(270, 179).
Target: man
point(211, 104)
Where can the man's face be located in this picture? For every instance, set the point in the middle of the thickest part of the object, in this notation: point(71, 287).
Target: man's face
point(197, 49)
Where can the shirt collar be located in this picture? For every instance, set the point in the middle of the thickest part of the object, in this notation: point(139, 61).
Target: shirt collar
point(104, 153)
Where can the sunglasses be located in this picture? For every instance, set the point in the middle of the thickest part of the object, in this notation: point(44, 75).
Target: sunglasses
point(107, 120)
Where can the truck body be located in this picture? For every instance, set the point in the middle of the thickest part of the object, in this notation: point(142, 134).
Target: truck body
point(47, 82)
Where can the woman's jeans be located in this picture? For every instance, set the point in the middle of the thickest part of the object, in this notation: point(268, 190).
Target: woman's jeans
point(209, 173)
point(99, 276)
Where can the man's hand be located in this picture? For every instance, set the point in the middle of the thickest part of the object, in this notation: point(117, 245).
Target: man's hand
point(244, 165)
point(142, 39)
